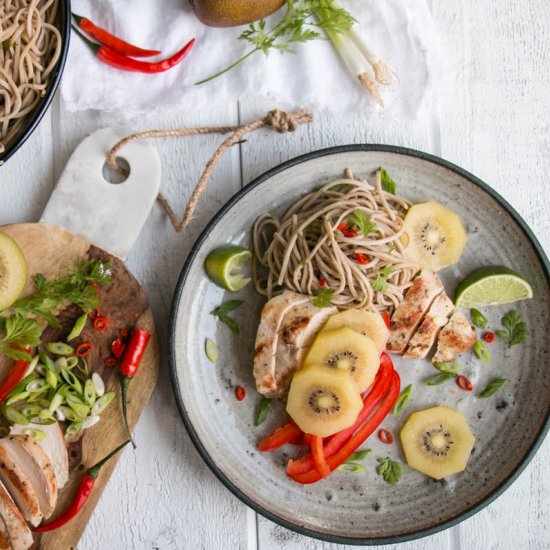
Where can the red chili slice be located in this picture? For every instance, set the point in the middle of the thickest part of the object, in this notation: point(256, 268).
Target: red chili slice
point(322, 281)
point(110, 362)
point(94, 313)
point(123, 333)
point(361, 258)
point(350, 233)
point(100, 323)
point(489, 337)
point(240, 392)
point(386, 317)
point(342, 227)
point(463, 383)
point(385, 436)
point(117, 348)
point(84, 349)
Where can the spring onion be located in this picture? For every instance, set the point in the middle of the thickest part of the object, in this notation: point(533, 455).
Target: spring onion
point(35, 433)
point(90, 421)
point(17, 397)
point(37, 386)
point(89, 392)
point(32, 365)
point(78, 327)
point(211, 350)
point(42, 421)
point(100, 405)
point(73, 429)
point(31, 411)
point(59, 348)
point(481, 351)
point(98, 383)
point(13, 416)
point(350, 468)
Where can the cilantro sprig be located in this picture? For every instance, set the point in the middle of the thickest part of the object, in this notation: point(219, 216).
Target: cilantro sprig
point(300, 23)
point(362, 221)
point(515, 330)
point(380, 284)
point(323, 298)
point(389, 469)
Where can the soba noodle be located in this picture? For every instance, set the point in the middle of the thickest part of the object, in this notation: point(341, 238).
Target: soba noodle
point(305, 247)
point(30, 46)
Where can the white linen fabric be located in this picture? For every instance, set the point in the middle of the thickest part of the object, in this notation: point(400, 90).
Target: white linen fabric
point(401, 31)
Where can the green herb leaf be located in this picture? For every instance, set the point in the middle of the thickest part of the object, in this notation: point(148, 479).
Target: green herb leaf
point(380, 284)
point(222, 313)
point(493, 387)
point(438, 379)
point(362, 221)
point(263, 410)
point(387, 182)
point(402, 400)
point(479, 320)
point(359, 455)
point(323, 298)
point(516, 329)
point(481, 351)
point(389, 469)
point(19, 331)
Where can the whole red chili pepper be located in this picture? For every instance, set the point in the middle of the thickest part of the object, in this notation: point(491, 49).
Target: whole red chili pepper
point(16, 374)
point(82, 495)
point(128, 368)
point(120, 61)
point(105, 38)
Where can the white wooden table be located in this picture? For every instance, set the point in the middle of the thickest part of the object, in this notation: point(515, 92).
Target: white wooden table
point(495, 125)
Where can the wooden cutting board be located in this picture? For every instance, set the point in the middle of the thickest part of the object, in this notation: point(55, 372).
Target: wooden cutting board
point(85, 203)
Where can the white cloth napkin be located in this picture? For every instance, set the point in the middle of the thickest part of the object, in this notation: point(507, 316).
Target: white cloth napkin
point(401, 31)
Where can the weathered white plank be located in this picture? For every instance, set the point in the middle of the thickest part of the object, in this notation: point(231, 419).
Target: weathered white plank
point(164, 496)
point(496, 126)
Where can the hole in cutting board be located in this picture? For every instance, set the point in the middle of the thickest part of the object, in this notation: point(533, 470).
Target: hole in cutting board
point(114, 177)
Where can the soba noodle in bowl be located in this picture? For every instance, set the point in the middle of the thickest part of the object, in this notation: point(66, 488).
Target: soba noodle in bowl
point(30, 46)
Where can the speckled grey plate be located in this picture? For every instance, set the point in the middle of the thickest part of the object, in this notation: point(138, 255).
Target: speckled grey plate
point(362, 508)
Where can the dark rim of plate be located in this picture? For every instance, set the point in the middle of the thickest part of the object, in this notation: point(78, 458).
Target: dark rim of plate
point(470, 510)
point(64, 19)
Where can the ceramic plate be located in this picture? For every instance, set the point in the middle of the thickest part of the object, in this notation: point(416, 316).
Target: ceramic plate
point(362, 508)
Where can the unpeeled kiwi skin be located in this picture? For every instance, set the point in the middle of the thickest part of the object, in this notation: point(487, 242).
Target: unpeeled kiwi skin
point(232, 13)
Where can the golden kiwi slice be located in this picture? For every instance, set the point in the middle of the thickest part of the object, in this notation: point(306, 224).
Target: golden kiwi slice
point(367, 323)
point(13, 271)
point(349, 351)
point(434, 236)
point(323, 401)
point(437, 441)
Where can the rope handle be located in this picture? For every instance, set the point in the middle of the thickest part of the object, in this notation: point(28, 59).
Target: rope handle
point(280, 121)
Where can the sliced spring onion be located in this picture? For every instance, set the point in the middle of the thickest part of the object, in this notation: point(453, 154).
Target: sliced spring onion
point(32, 365)
point(48, 363)
point(451, 367)
point(31, 411)
point(73, 429)
point(41, 369)
point(78, 327)
point(359, 455)
point(72, 361)
point(263, 411)
point(90, 421)
point(479, 320)
point(59, 348)
point(80, 409)
point(52, 378)
point(43, 421)
point(17, 397)
point(102, 402)
point(402, 400)
point(37, 396)
point(89, 392)
point(437, 379)
point(37, 386)
point(350, 468)
point(72, 380)
point(56, 402)
point(45, 414)
point(84, 369)
point(13, 416)
point(43, 403)
point(98, 384)
point(67, 413)
point(60, 363)
point(481, 351)
point(35, 433)
point(211, 350)
point(59, 414)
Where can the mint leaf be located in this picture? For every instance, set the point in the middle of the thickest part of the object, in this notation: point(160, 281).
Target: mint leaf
point(387, 182)
point(263, 411)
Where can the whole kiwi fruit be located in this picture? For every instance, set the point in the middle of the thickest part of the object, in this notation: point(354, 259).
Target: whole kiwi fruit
point(231, 13)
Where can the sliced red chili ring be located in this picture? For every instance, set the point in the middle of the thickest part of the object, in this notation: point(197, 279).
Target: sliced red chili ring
point(463, 383)
point(342, 227)
point(100, 323)
point(94, 313)
point(84, 349)
point(110, 362)
point(350, 233)
point(489, 337)
point(117, 348)
point(361, 258)
point(240, 392)
point(322, 281)
point(385, 436)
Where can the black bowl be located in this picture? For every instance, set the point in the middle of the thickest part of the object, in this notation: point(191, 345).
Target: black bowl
point(64, 22)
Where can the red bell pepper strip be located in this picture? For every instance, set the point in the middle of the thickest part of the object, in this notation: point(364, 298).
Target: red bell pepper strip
point(128, 368)
point(358, 438)
point(386, 317)
point(125, 63)
point(82, 495)
point(16, 374)
point(319, 458)
point(105, 38)
point(335, 442)
point(285, 434)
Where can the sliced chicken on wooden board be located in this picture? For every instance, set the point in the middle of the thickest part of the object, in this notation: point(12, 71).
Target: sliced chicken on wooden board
point(406, 318)
point(4, 536)
point(54, 447)
point(455, 338)
point(436, 318)
point(300, 326)
point(18, 531)
point(19, 487)
point(266, 338)
point(36, 465)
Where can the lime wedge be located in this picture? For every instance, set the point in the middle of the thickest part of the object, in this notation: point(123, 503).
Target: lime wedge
point(492, 285)
point(224, 264)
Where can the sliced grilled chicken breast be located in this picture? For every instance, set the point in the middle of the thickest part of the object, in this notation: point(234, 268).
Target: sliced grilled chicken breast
point(20, 535)
point(54, 447)
point(266, 338)
point(418, 299)
point(4, 536)
point(19, 487)
point(36, 465)
point(436, 318)
point(298, 330)
point(455, 338)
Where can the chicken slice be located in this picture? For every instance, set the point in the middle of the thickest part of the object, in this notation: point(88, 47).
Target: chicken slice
point(20, 536)
point(266, 338)
point(19, 487)
point(406, 318)
point(54, 447)
point(436, 318)
point(455, 338)
point(298, 330)
point(35, 464)
point(4, 536)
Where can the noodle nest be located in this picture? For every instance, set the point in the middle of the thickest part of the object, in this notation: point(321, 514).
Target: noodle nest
point(308, 250)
